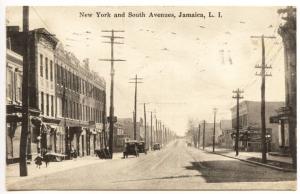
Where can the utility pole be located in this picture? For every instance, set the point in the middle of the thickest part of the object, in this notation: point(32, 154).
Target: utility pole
point(288, 32)
point(104, 121)
point(151, 135)
point(162, 134)
point(214, 133)
point(145, 124)
point(263, 75)
point(25, 91)
point(203, 140)
point(112, 42)
point(156, 134)
point(237, 134)
point(166, 137)
point(199, 131)
point(135, 102)
point(159, 131)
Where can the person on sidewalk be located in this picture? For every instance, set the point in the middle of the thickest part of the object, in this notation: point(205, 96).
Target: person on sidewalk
point(75, 154)
point(38, 161)
point(47, 160)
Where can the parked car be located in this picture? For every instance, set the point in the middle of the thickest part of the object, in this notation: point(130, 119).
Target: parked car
point(142, 147)
point(53, 157)
point(103, 153)
point(131, 148)
point(156, 146)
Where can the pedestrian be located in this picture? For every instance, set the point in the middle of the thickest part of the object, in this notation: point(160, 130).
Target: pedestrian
point(38, 161)
point(72, 152)
point(75, 154)
point(47, 160)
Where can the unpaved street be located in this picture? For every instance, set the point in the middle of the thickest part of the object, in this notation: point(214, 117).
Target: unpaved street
point(174, 167)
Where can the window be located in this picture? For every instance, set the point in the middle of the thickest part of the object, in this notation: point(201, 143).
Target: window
point(70, 109)
point(46, 67)
point(52, 106)
point(47, 104)
point(51, 70)
point(63, 76)
point(19, 88)
point(9, 81)
point(66, 111)
point(83, 112)
point(87, 113)
point(42, 102)
point(74, 110)
point(56, 71)
point(78, 110)
point(41, 65)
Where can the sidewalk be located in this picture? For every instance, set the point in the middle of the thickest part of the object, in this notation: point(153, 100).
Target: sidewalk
point(275, 162)
point(13, 176)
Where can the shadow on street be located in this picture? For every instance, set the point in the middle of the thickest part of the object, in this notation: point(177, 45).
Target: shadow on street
point(236, 171)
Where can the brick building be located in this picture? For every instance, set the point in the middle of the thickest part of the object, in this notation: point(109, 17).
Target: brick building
point(66, 97)
point(14, 68)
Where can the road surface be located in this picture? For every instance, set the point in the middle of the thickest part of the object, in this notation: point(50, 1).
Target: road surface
point(176, 167)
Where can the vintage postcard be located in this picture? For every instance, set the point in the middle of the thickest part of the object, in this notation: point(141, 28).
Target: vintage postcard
point(150, 98)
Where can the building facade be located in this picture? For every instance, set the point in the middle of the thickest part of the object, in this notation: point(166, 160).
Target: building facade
point(250, 125)
point(225, 139)
point(14, 71)
point(124, 131)
point(68, 96)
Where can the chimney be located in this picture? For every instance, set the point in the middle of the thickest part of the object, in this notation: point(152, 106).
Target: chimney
point(13, 28)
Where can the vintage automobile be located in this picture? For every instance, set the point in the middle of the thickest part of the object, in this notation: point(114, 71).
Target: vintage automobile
point(131, 148)
point(103, 153)
point(53, 157)
point(156, 146)
point(142, 147)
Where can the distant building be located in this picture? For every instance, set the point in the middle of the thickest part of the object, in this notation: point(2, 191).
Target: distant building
point(225, 139)
point(250, 124)
point(209, 129)
point(124, 131)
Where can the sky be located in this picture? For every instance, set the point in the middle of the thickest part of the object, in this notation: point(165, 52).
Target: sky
point(189, 65)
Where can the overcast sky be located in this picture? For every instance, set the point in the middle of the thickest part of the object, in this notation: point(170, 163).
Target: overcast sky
point(189, 65)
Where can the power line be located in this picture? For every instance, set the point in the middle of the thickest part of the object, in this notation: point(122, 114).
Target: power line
point(40, 17)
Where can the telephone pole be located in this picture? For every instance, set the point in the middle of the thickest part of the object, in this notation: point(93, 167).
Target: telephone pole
point(145, 124)
point(135, 101)
point(237, 134)
point(166, 137)
point(112, 42)
point(288, 32)
point(203, 140)
point(199, 133)
point(156, 132)
point(263, 75)
point(151, 133)
point(25, 91)
point(214, 133)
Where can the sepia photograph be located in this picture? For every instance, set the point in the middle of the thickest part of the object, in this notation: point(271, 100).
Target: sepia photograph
point(159, 98)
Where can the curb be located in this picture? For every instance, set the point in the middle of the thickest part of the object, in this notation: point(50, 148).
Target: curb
point(256, 163)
